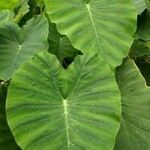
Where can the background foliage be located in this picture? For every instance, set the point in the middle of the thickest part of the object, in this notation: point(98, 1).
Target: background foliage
point(75, 75)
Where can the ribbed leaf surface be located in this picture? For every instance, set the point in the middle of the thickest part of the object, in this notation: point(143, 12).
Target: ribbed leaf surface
point(73, 109)
point(96, 25)
point(18, 45)
point(135, 124)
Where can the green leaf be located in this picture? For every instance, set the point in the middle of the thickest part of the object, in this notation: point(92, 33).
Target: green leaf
point(18, 45)
point(24, 9)
point(64, 49)
point(76, 108)
point(148, 4)
point(145, 70)
point(8, 4)
point(60, 45)
point(101, 25)
point(140, 49)
point(7, 141)
point(135, 124)
point(40, 3)
point(6, 16)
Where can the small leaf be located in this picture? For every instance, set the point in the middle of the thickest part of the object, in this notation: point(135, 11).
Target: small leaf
point(135, 124)
point(60, 45)
point(140, 49)
point(74, 108)
point(24, 9)
point(19, 44)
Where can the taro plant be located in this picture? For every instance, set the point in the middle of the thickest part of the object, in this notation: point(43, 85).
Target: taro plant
point(74, 75)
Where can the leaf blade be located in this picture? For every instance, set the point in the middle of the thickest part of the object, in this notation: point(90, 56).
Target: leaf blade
point(135, 124)
point(67, 112)
point(95, 26)
point(19, 44)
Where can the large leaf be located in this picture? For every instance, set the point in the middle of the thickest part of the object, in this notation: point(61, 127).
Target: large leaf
point(96, 25)
point(8, 4)
point(18, 45)
point(7, 141)
point(73, 109)
point(135, 124)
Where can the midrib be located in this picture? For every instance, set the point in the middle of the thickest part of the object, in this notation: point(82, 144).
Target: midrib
point(66, 122)
point(15, 58)
point(93, 24)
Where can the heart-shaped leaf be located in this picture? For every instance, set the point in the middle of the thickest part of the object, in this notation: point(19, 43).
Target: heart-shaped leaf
point(96, 25)
point(19, 44)
point(135, 125)
point(7, 141)
point(76, 108)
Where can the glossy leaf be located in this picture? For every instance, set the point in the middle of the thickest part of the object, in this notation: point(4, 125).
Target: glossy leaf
point(76, 108)
point(7, 141)
point(102, 26)
point(135, 124)
point(18, 45)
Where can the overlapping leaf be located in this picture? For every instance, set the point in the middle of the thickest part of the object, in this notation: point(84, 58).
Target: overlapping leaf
point(7, 141)
point(60, 45)
point(102, 26)
point(140, 49)
point(76, 108)
point(18, 45)
point(135, 124)
point(23, 10)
